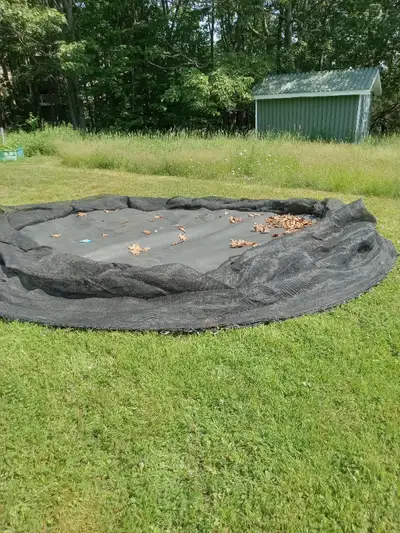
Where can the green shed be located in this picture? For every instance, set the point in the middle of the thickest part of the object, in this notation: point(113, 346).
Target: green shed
point(333, 104)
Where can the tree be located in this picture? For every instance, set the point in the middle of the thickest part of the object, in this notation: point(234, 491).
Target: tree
point(159, 64)
point(28, 55)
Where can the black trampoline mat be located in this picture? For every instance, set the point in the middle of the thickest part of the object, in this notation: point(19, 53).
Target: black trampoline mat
point(208, 232)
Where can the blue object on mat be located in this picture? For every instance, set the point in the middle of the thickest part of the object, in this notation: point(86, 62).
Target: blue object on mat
point(85, 241)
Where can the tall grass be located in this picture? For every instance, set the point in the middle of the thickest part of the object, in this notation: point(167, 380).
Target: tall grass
point(370, 169)
point(45, 141)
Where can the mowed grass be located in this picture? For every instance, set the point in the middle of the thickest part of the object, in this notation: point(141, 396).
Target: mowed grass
point(291, 427)
point(370, 169)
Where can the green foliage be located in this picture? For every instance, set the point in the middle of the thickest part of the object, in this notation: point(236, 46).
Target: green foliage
point(160, 65)
point(28, 44)
point(73, 57)
point(33, 122)
point(192, 91)
point(8, 147)
point(209, 95)
point(43, 141)
point(230, 91)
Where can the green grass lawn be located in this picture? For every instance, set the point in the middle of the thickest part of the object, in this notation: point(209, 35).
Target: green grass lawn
point(291, 427)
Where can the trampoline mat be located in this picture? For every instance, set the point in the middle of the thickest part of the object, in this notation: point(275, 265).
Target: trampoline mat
point(208, 235)
point(190, 278)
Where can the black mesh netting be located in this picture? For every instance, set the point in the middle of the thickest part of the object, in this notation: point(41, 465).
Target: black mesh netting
point(198, 284)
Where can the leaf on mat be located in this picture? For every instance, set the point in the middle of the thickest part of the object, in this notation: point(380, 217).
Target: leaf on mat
point(182, 238)
point(158, 216)
point(239, 243)
point(290, 223)
point(181, 228)
point(81, 214)
point(146, 232)
point(235, 220)
point(109, 210)
point(252, 215)
point(261, 228)
point(55, 235)
point(136, 249)
point(104, 234)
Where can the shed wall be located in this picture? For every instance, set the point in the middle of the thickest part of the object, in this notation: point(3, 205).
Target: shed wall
point(331, 117)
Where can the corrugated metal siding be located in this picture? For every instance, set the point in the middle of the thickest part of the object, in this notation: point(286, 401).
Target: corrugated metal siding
point(333, 117)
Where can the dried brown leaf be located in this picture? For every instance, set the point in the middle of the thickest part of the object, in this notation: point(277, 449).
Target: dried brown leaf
point(136, 249)
point(81, 214)
point(109, 210)
point(290, 223)
point(276, 235)
point(261, 228)
point(181, 228)
point(158, 216)
point(146, 232)
point(104, 234)
point(235, 220)
point(56, 235)
point(252, 215)
point(239, 243)
point(182, 238)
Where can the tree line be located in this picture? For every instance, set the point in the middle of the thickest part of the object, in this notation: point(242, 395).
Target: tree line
point(147, 65)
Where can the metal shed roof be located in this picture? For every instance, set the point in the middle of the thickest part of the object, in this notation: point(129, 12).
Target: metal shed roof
point(325, 83)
